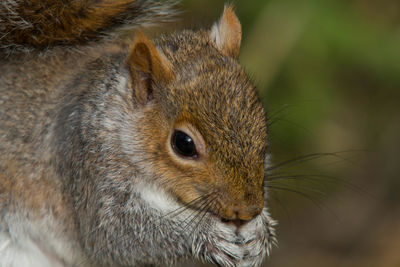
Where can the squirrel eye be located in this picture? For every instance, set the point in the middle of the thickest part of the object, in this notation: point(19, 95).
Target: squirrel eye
point(183, 144)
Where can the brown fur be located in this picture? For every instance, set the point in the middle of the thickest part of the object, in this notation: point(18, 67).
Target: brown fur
point(41, 24)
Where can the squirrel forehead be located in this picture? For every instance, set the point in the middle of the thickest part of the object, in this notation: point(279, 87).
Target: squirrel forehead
point(202, 73)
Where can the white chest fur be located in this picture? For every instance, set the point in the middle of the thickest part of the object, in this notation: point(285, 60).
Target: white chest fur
point(34, 244)
point(23, 252)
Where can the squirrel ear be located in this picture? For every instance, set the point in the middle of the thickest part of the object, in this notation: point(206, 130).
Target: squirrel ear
point(227, 33)
point(147, 66)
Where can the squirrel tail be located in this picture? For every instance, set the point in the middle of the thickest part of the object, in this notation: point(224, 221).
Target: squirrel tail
point(40, 24)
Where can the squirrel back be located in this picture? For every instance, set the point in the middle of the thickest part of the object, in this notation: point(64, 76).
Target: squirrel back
point(40, 24)
point(134, 153)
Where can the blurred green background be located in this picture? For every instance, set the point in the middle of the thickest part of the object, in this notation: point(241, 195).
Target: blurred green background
point(328, 73)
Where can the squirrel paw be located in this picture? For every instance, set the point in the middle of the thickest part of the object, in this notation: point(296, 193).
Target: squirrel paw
point(225, 245)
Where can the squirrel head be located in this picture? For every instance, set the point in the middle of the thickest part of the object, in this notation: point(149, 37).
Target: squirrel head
point(202, 124)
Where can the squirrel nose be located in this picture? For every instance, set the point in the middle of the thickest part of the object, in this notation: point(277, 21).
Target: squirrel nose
point(239, 216)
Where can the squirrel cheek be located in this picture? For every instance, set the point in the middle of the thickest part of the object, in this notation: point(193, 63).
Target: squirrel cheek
point(186, 194)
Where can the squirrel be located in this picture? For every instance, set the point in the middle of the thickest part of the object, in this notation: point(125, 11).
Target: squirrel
point(118, 152)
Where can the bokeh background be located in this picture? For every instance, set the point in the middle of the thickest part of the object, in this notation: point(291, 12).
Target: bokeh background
point(328, 72)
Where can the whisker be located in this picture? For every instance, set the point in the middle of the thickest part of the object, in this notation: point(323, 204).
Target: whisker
point(321, 178)
point(308, 197)
point(202, 209)
point(203, 215)
point(297, 187)
point(280, 203)
point(312, 156)
point(296, 192)
point(184, 207)
point(292, 123)
point(273, 115)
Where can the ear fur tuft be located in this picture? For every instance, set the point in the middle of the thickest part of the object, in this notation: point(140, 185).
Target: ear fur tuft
point(227, 33)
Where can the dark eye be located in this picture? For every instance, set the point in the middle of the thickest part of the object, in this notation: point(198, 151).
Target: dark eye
point(183, 144)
